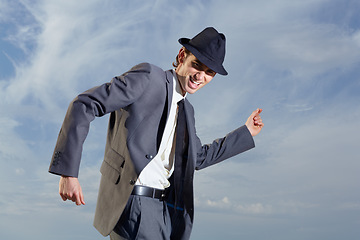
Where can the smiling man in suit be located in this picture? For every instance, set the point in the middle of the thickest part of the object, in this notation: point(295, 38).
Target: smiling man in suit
point(152, 150)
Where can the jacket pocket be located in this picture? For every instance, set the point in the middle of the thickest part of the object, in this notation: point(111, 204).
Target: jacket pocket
point(110, 172)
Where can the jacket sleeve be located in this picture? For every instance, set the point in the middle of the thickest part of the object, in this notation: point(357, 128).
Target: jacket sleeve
point(98, 101)
point(235, 142)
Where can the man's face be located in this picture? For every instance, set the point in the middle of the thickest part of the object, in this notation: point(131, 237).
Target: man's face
point(192, 74)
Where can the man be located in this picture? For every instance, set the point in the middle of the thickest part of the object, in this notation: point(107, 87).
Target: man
point(152, 151)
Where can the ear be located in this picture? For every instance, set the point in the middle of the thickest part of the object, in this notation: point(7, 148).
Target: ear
point(181, 55)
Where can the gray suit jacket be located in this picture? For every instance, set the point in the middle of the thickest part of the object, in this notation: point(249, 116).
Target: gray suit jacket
point(138, 102)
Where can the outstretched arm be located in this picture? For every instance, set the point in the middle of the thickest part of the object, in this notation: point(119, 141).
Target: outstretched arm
point(70, 189)
point(254, 122)
point(235, 142)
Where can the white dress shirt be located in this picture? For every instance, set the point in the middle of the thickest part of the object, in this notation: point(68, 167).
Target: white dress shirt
point(159, 170)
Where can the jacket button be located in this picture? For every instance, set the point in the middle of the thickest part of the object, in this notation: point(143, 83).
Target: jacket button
point(148, 156)
point(132, 182)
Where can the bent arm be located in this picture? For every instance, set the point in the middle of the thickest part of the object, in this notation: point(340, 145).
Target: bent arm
point(119, 93)
point(235, 142)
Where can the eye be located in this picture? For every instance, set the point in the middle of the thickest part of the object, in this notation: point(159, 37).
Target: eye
point(210, 73)
point(196, 65)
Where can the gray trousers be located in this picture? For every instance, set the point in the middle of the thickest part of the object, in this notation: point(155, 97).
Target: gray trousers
point(143, 218)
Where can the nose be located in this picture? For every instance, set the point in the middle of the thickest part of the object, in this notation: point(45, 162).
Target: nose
point(200, 75)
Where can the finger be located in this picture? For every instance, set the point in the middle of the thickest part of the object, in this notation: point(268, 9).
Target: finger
point(257, 117)
point(71, 197)
point(257, 120)
point(82, 198)
point(258, 111)
point(63, 196)
point(255, 113)
point(260, 125)
point(77, 198)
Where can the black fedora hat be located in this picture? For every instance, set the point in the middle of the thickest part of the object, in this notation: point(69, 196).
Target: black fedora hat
point(209, 47)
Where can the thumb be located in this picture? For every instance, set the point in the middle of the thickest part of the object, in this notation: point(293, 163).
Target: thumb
point(257, 112)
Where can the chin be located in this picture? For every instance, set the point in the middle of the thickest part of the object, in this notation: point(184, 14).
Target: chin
point(191, 91)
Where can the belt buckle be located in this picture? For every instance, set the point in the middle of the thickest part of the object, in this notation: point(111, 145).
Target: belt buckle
point(162, 196)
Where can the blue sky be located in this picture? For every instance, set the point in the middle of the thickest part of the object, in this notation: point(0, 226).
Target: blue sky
point(298, 60)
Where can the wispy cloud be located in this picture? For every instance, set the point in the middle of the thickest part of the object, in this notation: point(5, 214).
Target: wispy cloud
point(298, 60)
point(226, 205)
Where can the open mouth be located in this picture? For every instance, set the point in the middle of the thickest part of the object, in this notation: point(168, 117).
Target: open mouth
point(193, 81)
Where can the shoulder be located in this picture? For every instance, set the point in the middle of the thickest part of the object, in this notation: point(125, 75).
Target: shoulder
point(148, 72)
point(147, 68)
point(141, 73)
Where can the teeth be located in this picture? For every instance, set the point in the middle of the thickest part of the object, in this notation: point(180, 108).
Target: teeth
point(193, 81)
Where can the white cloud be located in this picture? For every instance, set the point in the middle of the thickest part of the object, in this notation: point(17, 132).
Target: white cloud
point(228, 206)
point(11, 142)
point(19, 171)
point(223, 203)
point(256, 208)
point(283, 56)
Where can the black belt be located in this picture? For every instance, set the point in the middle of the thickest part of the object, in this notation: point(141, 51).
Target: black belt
point(148, 192)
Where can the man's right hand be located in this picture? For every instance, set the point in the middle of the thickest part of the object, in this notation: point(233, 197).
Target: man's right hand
point(69, 188)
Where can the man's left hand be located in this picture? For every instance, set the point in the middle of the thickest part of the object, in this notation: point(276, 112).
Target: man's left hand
point(254, 122)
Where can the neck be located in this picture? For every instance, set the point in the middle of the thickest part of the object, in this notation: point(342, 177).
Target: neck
point(183, 92)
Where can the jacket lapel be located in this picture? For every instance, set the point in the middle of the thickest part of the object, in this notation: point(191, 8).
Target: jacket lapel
point(166, 111)
point(169, 87)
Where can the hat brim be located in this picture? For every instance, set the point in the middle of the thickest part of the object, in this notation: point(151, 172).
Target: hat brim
point(218, 68)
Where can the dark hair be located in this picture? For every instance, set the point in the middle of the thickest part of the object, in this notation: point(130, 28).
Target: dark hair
point(176, 63)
